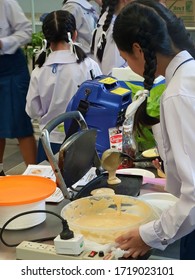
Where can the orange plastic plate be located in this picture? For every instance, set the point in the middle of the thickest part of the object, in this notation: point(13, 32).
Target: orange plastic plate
point(24, 189)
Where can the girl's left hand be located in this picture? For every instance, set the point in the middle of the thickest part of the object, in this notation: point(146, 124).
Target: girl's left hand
point(132, 242)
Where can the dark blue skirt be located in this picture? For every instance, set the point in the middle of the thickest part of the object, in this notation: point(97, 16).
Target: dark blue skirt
point(14, 82)
point(187, 247)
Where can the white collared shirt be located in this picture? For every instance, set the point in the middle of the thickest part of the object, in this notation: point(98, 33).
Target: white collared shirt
point(86, 20)
point(54, 84)
point(111, 56)
point(177, 115)
point(15, 28)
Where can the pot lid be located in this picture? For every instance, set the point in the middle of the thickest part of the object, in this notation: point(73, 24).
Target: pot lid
point(24, 189)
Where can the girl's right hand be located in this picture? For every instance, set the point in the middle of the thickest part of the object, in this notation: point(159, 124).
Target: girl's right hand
point(157, 164)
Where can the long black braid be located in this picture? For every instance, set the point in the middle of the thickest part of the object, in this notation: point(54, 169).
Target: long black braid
point(181, 40)
point(56, 26)
point(149, 77)
point(64, 2)
point(110, 6)
point(103, 10)
point(105, 4)
point(175, 25)
point(137, 23)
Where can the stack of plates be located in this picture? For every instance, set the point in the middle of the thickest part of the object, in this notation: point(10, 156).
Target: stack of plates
point(159, 201)
point(136, 171)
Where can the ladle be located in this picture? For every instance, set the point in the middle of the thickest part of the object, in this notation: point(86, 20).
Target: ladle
point(111, 159)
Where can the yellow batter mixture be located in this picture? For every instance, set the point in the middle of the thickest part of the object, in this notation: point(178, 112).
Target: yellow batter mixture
point(103, 218)
point(108, 220)
point(103, 191)
point(111, 159)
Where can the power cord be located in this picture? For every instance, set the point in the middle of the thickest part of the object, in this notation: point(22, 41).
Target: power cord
point(65, 234)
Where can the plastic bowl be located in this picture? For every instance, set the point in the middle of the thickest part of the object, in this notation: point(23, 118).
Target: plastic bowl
point(103, 218)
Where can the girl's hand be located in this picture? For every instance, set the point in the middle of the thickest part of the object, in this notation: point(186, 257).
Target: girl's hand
point(157, 164)
point(132, 242)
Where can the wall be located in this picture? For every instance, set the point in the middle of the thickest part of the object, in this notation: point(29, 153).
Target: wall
point(184, 9)
point(41, 6)
point(35, 8)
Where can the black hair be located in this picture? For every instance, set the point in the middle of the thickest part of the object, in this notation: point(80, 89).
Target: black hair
point(157, 30)
point(64, 2)
point(175, 25)
point(105, 4)
point(56, 27)
point(110, 6)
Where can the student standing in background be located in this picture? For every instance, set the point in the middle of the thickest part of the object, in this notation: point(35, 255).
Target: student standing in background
point(86, 20)
point(103, 46)
point(15, 31)
point(163, 2)
point(55, 80)
point(97, 5)
point(150, 44)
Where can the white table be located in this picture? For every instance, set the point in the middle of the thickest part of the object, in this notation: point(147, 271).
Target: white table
point(52, 226)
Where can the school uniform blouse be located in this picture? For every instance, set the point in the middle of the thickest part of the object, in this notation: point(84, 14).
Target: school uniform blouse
point(53, 85)
point(86, 20)
point(16, 31)
point(96, 6)
point(111, 56)
point(178, 134)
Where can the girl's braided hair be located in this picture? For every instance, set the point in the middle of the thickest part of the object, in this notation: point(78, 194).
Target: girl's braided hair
point(56, 27)
point(157, 30)
point(110, 6)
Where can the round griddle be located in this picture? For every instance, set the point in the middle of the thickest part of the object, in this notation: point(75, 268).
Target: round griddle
point(130, 185)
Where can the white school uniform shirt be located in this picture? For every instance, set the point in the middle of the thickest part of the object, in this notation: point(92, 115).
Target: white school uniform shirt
point(86, 19)
point(177, 114)
point(96, 6)
point(157, 133)
point(54, 84)
point(15, 28)
point(111, 56)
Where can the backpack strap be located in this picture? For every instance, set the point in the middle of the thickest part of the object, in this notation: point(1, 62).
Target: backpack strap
point(82, 108)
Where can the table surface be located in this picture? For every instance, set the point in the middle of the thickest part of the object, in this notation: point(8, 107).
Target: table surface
point(52, 226)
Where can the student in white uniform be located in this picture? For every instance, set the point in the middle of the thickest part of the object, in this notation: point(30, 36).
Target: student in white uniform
point(147, 46)
point(15, 31)
point(163, 2)
point(55, 80)
point(86, 20)
point(97, 5)
point(103, 46)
